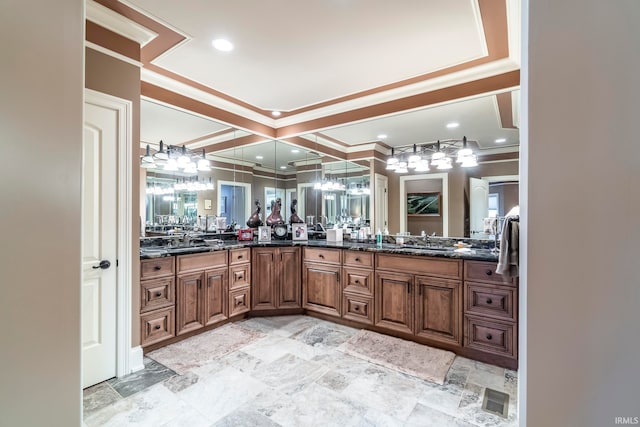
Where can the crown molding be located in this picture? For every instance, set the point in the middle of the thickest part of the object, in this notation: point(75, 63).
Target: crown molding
point(117, 23)
point(113, 54)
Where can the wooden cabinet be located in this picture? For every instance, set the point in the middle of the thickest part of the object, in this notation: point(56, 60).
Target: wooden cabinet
point(239, 281)
point(322, 289)
point(275, 283)
point(157, 300)
point(420, 296)
point(490, 312)
point(201, 290)
point(394, 301)
point(438, 309)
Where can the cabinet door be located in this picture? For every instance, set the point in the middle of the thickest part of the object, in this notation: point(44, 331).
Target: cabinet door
point(263, 281)
point(439, 309)
point(394, 301)
point(189, 302)
point(321, 290)
point(215, 301)
point(289, 278)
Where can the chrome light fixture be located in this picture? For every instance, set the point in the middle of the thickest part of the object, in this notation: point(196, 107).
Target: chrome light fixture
point(174, 158)
point(439, 154)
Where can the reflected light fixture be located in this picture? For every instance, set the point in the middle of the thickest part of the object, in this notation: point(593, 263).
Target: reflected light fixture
point(173, 158)
point(439, 155)
point(223, 45)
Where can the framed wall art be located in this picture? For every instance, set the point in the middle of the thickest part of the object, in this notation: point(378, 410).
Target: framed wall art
point(424, 204)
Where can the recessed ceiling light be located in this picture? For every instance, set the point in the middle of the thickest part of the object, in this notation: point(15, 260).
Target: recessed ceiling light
point(453, 125)
point(382, 136)
point(283, 167)
point(295, 151)
point(259, 157)
point(276, 113)
point(223, 45)
point(500, 140)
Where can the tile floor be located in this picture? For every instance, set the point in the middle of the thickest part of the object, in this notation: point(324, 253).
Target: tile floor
point(287, 371)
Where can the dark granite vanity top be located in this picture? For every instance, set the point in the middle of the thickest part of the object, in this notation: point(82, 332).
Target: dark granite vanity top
point(479, 254)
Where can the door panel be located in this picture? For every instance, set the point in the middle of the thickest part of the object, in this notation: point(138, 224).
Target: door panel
point(479, 206)
point(439, 310)
point(394, 301)
point(322, 291)
point(189, 307)
point(215, 304)
point(263, 281)
point(289, 280)
point(99, 230)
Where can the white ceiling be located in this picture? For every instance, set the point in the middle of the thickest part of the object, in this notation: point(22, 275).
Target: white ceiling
point(289, 54)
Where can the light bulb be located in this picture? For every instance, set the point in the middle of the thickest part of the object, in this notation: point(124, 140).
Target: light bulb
point(171, 165)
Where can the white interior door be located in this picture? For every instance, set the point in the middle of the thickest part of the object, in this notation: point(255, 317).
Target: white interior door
point(479, 205)
point(99, 244)
point(380, 203)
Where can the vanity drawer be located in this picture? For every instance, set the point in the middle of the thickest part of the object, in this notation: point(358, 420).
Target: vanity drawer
point(358, 280)
point(157, 326)
point(157, 267)
point(358, 259)
point(239, 300)
point(485, 272)
point(329, 256)
point(239, 276)
point(157, 293)
point(358, 308)
point(239, 256)
point(491, 300)
point(432, 266)
point(201, 261)
point(490, 336)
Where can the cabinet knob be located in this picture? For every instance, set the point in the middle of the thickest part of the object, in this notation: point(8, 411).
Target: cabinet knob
point(320, 256)
point(240, 277)
point(489, 337)
point(239, 256)
point(488, 272)
point(357, 259)
point(356, 308)
point(156, 327)
point(157, 267)
point(158, 294)
point(357, 281)
point(489, 300)
point(239, 302)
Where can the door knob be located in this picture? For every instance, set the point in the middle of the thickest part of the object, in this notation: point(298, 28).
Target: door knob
point(104, 264)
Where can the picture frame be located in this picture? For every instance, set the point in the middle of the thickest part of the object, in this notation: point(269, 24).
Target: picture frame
point(299, 232)
point(424, 204)
point(264, 233)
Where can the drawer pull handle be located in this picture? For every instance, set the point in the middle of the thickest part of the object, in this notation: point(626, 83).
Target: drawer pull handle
point(239, 302)
point(240, 277)
point(157, 267)
point(158, 294)
point(357, 259)
point(156, 327)
point(488, 272)
point(357, 282)
point(489, 300)
point(356, 308)
point(489, 337)
point(239, 256)
point(320, 256)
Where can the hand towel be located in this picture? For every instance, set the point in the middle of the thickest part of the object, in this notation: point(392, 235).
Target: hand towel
point(509, 255)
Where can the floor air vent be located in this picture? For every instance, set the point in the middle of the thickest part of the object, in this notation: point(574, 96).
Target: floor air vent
point(496, 402)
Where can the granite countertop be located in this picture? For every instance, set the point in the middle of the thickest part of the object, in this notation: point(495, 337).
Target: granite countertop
point(415, 250)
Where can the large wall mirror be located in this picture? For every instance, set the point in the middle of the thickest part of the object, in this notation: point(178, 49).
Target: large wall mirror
point(309, 173)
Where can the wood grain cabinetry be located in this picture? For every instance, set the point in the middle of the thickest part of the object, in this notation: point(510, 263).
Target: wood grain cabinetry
point(202, 291)
point(420, 296)
point(157, 300)
point(321, 273)
point(275, 283)
point(490, 310)
point(239, 281)
point(357, 286)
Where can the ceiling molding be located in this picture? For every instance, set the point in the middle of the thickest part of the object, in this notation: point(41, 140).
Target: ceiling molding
point(111, 53)
point(119, 24)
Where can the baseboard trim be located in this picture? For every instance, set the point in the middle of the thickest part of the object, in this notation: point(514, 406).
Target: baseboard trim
point(136, 359)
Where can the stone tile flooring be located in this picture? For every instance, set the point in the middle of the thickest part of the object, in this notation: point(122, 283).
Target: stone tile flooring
point(286, 371)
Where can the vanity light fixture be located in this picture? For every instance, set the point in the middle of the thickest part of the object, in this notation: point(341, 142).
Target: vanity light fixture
point(329, 184)
point(439, 154)
point(174, 158)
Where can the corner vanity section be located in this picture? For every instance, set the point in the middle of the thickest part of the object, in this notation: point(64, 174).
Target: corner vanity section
point(454, 301)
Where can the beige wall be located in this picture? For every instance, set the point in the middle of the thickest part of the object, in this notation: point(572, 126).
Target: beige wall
point(581, 293)
point(106, 74)
point(41, 115)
